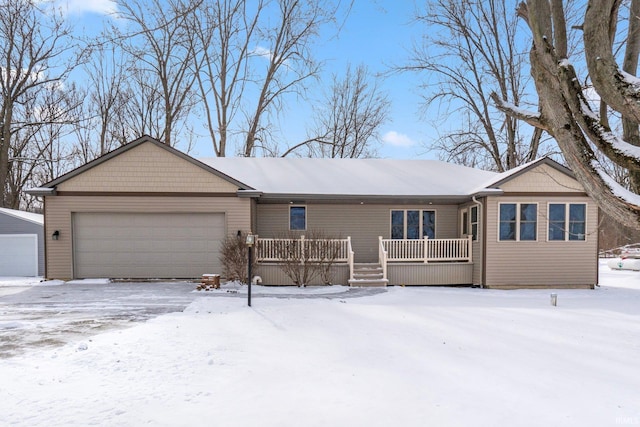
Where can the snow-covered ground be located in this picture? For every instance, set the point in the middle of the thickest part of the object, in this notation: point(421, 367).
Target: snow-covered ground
point(404, 357)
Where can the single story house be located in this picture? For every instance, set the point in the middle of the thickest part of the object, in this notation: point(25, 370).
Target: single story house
point(21, 243)
point(148, 210)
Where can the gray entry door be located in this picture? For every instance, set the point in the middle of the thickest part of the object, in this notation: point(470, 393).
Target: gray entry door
point(147, 245)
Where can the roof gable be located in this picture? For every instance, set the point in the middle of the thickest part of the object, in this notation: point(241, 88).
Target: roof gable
point(543, 175)
point(146, 165)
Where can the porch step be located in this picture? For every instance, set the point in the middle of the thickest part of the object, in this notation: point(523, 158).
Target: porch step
point(368, 274)
point(368, 283)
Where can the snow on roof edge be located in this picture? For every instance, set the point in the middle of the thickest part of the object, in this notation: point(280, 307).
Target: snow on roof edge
point(27, 216)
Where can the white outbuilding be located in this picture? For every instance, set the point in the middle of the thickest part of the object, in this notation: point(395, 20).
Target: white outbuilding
point(21, 243)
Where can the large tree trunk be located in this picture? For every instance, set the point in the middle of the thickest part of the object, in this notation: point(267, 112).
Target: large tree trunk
point(564, 111)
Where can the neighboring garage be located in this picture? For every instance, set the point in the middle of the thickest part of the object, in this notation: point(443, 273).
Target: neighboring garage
point(146, 245)
point(21, 243)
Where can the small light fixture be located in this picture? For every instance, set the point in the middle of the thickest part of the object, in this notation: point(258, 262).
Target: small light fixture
point(251, 239)
point(55, 235)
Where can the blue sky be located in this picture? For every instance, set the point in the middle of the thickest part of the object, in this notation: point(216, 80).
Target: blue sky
point(377, 33)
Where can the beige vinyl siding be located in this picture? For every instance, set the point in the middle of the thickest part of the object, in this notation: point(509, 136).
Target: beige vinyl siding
point(544, 179)
point(541, 263)
point(363, 222)
point(147, 168)
point(59, 209)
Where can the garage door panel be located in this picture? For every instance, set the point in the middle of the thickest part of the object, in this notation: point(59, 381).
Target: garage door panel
point(18, 255)
point(136, 245)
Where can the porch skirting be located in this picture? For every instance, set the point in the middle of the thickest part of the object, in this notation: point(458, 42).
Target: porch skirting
point(402, 274)
point(272, 274)
point(437, 274)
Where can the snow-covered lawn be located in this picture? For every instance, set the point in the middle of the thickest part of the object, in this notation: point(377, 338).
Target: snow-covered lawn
point(405, 357)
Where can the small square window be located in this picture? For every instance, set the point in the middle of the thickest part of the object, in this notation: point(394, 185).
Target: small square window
point(297, 218)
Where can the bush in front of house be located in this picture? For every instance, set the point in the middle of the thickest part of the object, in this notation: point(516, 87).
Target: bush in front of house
point(303, 258)
point(234, 255)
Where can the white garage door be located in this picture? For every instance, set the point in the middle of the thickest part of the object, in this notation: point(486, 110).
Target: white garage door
point(147, 245)
point(18, 255)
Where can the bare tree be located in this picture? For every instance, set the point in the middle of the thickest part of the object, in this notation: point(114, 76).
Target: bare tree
point(582, 133)
point(285, 52)
point(161, 48)
point(108, 95)
point(468, 51)
point(224, 32)
point(348, 121)
point(36, 54)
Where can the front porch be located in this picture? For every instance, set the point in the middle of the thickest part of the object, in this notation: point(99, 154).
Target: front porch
point(400, 261)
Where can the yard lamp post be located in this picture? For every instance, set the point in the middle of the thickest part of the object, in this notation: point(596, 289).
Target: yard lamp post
point(251, 239)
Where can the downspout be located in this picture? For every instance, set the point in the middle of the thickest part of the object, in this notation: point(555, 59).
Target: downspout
point(483, 260)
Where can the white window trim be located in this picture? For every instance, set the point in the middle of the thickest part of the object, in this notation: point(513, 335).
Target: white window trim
point(566, 221)
point(518, 222)
point(470, 227)
point(306, 221)
point(464, 211)
point(404, 221)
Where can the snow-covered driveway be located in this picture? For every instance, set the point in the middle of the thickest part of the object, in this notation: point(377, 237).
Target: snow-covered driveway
point(41, 316)
point(34, 315)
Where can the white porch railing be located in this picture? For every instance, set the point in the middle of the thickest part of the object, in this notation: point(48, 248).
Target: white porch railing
point(340, 250)
point(383, 257)
point(428, 250)
point(314, 250)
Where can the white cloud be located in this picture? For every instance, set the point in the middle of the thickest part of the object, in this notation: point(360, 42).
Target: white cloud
point(397, 139)
point(261, 51)
point(88, 6)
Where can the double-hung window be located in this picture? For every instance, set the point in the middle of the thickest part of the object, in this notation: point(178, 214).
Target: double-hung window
point(413, 224)
point(518, 221)
point(567, 221)
point(297, 218)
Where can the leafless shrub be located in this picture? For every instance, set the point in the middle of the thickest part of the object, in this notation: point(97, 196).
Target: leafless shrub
point(303, 258)
point(234, 255)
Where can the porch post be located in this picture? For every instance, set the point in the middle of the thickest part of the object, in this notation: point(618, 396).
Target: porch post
point(302, 251)
point(425, 246)
point(470, 247)
point(350, 257)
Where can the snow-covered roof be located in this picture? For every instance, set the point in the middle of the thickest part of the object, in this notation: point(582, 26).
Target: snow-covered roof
point(27, 216)
point(352, 177)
